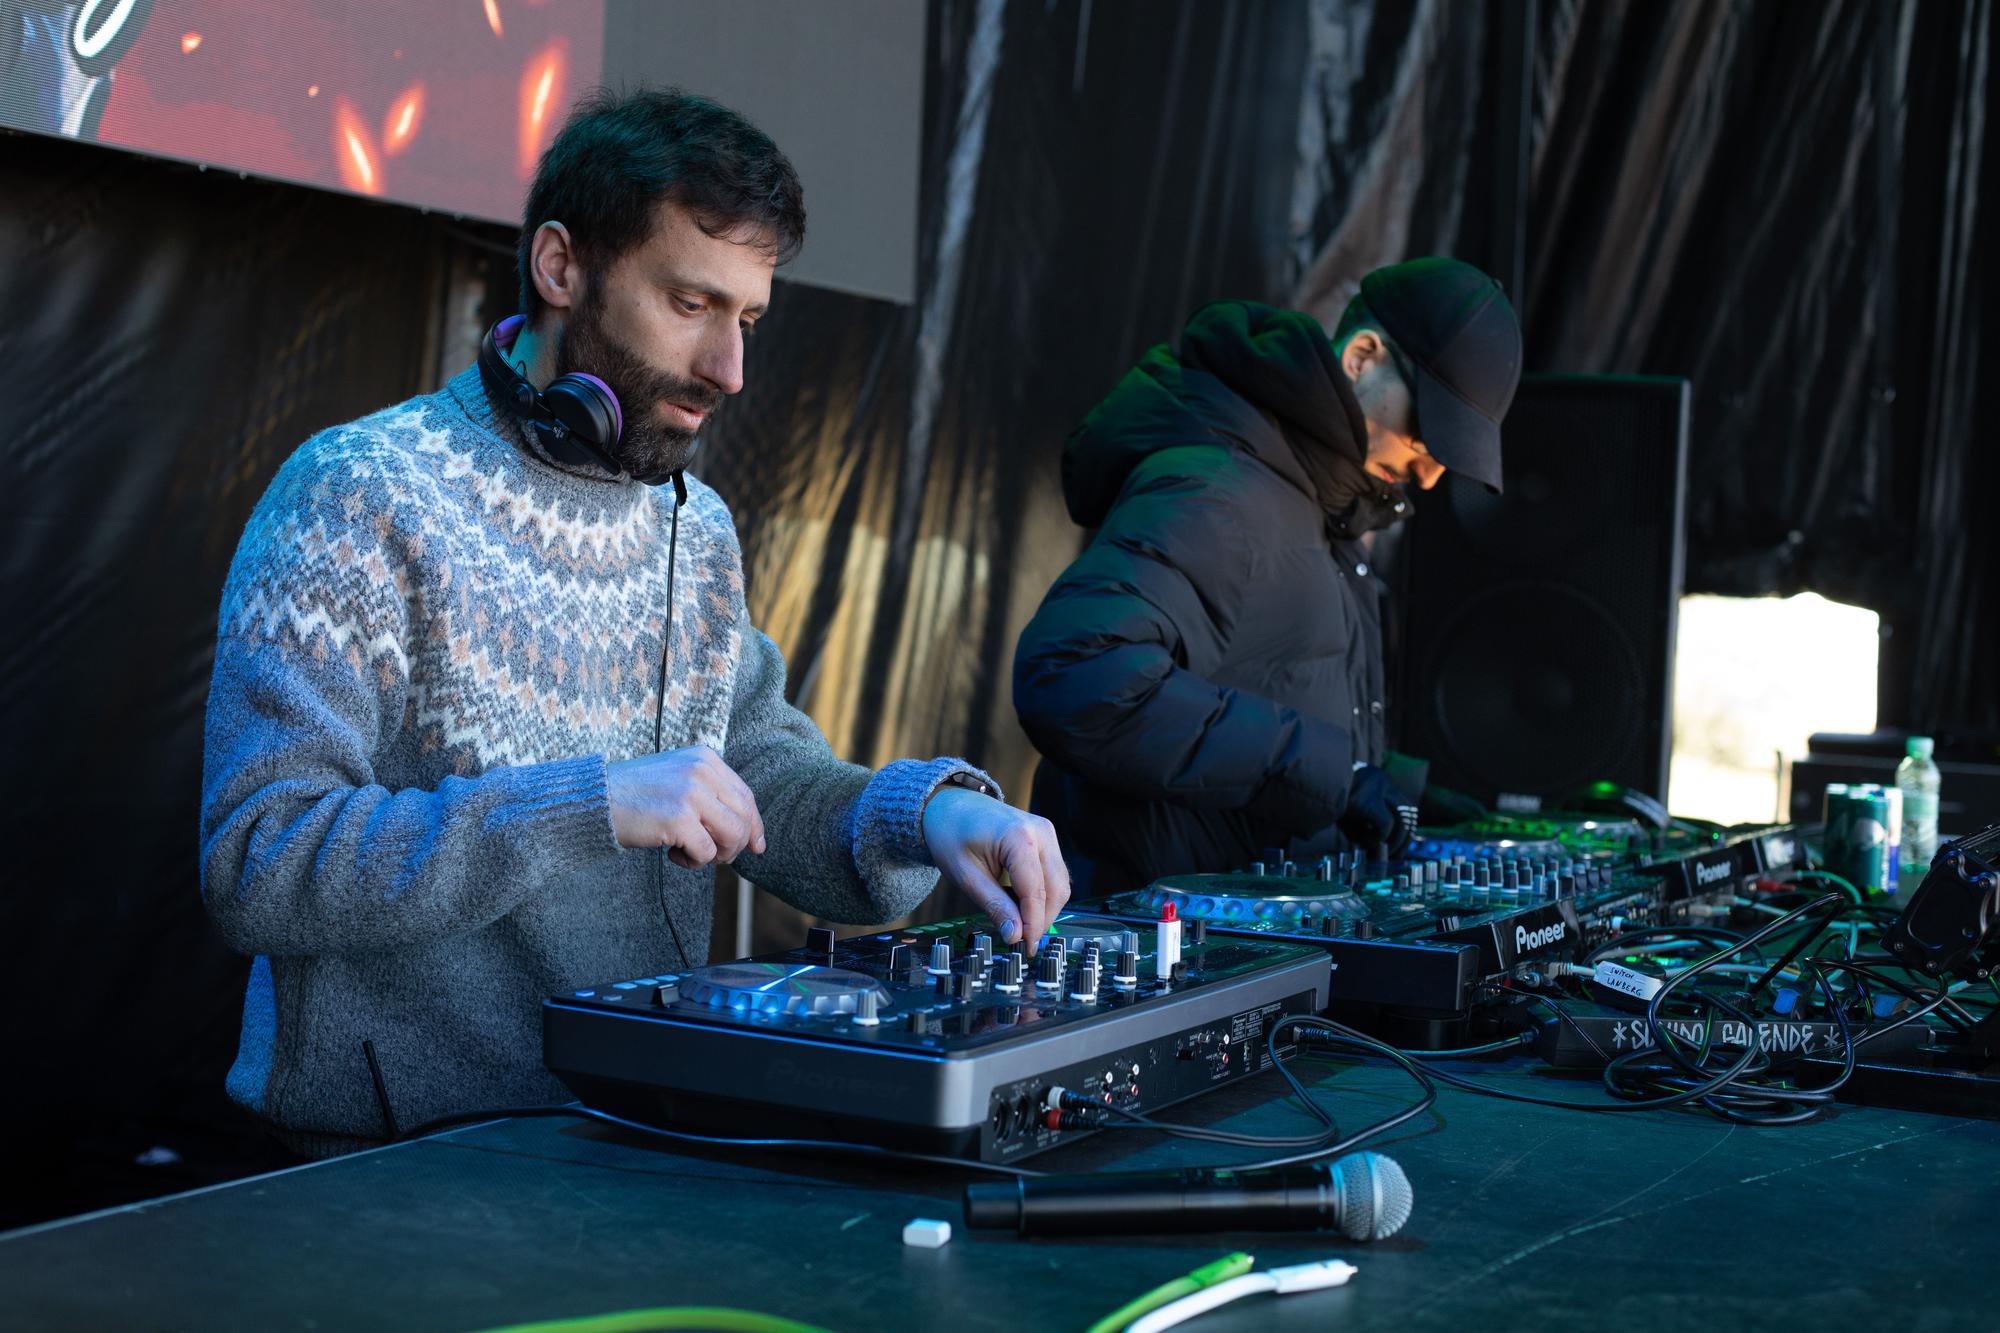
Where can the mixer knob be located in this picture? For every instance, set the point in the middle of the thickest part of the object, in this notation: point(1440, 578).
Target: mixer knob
point(1324, 871)
point(1127, 975)
point(819, 943)
point(1402, 885)
point(666, 993)
point(866, 1006)
point(943, 983)
point(962, 983)
point(1129, 942)
point(1257, 868)
point(1287, 868)
point(1011, 968)
point(1330, 925)
point(899, 955)
point(1086, 983)
point(1566, 886)
point(1197, 931)
point(1049, 969)
point(982, 944)
point(940, 958)
point(917, 1022)
point(1364, 930)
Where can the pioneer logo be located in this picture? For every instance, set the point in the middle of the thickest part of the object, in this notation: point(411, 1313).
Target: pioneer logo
point(1705, 875)
point(787, 1074)
point(1525, 939)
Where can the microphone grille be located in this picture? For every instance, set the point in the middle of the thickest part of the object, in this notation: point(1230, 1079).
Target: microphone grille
point(1375, 1196)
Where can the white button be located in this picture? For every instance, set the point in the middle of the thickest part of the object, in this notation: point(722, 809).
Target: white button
point(1362, 570)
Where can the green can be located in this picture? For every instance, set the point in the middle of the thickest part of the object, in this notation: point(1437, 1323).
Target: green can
point(1864, 828)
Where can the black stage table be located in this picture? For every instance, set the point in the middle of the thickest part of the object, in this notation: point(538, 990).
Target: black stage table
point(1526, 1217)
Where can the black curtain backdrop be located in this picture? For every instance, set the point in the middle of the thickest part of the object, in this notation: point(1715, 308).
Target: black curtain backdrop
point(1778, 200)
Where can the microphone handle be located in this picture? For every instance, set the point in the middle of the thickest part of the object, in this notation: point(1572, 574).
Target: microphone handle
point(1294, 1198)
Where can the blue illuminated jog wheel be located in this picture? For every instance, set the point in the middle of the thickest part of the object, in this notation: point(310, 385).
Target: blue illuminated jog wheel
point(1253, 898)
point(1078, 930)
point(779, 988)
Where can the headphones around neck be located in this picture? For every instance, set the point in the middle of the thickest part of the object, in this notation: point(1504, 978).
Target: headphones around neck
point(576, 419)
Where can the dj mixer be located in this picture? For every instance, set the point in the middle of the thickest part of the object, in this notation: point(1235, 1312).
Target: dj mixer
point(935, 1039)
point(1416, 945)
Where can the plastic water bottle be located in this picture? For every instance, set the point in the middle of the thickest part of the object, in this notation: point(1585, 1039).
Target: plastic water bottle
point(1917, 779)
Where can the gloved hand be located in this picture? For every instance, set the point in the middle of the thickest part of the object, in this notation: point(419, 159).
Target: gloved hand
point(1379, 815)
point(1443, 807)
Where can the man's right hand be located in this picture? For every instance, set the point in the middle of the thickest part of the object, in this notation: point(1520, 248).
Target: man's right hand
point(687, 801)
point(1378, 815)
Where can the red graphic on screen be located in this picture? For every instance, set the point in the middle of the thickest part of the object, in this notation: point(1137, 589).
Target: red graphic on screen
point(443, 103)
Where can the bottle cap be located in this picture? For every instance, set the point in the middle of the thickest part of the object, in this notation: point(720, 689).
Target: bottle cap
point(1919, 747)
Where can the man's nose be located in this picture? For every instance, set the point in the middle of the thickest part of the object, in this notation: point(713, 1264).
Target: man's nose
point(721, 361)
point(1428, 471)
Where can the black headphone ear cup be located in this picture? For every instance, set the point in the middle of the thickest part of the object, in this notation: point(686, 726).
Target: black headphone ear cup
point(586, 405)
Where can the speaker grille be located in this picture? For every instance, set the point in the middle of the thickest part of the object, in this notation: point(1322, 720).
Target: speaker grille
point(1535, 688)
point(1541, 622)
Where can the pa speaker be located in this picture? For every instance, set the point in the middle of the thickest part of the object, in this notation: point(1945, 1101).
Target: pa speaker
point(1539, 624)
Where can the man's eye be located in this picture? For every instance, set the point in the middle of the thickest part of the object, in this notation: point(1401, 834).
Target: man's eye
point(749, 329)
point(692, 307)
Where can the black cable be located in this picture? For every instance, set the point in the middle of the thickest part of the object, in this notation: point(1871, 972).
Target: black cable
point(1628, 942)
point(1490, 1048)
point(580, 1112)
point(1953, 1013)
point(381, 1087)
point(660, 714)
point(1800, 944)
point(1725, 1091)
point(1325, 1144)
point(1581, 1031)
point(1306, 1023)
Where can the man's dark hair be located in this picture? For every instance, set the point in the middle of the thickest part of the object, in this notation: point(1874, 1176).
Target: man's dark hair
point(620, 155)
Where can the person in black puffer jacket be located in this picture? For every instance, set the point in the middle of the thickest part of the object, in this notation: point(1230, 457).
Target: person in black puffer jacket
point(1206, 679)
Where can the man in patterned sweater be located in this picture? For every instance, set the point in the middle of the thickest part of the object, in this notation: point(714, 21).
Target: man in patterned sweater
point(445, 766)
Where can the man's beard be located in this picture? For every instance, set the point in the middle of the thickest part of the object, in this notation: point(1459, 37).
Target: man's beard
point(647, 447)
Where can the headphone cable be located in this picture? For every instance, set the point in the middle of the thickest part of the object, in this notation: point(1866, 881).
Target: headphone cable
point(660, 712)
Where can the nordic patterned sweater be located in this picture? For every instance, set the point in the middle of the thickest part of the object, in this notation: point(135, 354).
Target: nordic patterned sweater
point(433, 640)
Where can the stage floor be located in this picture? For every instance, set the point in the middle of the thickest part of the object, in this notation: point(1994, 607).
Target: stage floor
point(1525, 1217)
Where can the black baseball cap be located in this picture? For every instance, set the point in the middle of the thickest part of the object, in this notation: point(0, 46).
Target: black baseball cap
point(1459, 335)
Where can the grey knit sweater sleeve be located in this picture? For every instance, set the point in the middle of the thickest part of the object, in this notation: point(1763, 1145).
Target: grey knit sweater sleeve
point(843, 843)
point(303, 850)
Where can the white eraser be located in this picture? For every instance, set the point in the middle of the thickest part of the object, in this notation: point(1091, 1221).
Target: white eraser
point(926, 1233)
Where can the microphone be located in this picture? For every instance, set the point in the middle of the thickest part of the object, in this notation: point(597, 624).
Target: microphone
point(1364, 1196)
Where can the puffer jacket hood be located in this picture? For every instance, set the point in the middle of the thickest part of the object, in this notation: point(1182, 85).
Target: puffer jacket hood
point(1234, 358)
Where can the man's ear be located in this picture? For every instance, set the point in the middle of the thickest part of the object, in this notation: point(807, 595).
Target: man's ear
point(553, 265)
point(1363, 350)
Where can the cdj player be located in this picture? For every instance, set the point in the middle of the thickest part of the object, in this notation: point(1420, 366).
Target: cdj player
point(930, 1039)
point(1416, 945)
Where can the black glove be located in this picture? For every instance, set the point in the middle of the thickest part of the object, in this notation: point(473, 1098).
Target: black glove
point(1379, 815)
point(1442, 807)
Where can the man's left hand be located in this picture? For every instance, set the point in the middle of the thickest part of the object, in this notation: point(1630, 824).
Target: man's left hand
point(981, 844)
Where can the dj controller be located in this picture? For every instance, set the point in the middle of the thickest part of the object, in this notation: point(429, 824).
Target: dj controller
point(932, 1040)
point(935, 1039)
point(1417, 945)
